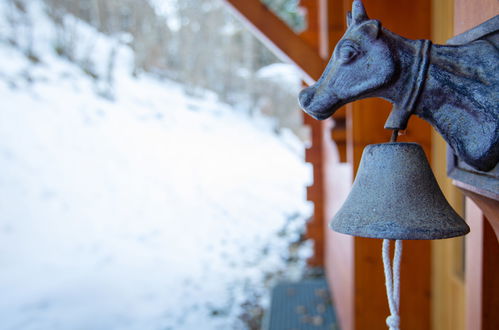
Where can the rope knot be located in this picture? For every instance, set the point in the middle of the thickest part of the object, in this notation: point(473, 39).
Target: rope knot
point(392, 276)
point(393, 322)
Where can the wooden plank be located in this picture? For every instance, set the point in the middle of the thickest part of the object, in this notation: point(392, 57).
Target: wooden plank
point(315, 35)
point(482, 249)
point(490, 279)
point(279, 37)
point(339, 248)
point(468, 14)
point(315, 193)
point(448, 289)
point(314, 154)
point(311, 34)
point(474, 261)
point(482, 267)
point(489, 207)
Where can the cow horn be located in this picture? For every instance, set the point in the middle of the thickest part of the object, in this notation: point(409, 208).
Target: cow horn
point(349, 18)
point(358, 12)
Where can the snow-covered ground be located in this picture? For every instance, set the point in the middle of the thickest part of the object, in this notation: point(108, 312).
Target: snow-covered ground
point(152, 210)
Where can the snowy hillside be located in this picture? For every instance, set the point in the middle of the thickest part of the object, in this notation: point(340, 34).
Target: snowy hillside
point(144, 209)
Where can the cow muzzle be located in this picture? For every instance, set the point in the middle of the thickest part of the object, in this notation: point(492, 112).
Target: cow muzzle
point(318, 105)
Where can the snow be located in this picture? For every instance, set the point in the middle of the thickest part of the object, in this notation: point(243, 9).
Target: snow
point(149, 210)
point(282, 73)
point(168, 10)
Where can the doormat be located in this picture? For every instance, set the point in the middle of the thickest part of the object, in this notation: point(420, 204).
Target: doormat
point(303, 305)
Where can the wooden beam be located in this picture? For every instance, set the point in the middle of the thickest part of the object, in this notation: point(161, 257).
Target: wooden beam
point(281, 39)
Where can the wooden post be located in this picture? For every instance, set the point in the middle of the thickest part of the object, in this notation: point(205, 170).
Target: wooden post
point(482, 269)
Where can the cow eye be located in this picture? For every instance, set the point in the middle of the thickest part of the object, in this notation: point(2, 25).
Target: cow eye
point(348, 53)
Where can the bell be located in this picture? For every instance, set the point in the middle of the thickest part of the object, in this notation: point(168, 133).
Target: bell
point(395, 196)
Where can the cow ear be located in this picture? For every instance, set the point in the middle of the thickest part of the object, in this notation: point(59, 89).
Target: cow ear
point(349, 18)
point(358, 12)
point(372, 28)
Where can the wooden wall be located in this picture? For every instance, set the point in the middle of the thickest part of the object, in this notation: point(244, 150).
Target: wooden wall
point(482, 248)
point(448, 301)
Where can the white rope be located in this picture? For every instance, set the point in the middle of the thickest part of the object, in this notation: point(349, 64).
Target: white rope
point(392, 282)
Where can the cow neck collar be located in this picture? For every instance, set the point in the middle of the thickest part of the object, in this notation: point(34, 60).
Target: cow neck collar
point(419, 70)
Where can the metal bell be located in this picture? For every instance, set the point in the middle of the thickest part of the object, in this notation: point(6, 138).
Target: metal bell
point(395, 196)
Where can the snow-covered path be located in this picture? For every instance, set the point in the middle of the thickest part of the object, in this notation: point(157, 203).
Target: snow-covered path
point(152, 211)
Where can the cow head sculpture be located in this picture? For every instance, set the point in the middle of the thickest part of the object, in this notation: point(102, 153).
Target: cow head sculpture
point(361, 63)
point(453, 87)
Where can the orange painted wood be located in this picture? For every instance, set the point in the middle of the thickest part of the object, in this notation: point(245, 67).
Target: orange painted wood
point(339, 248)
point(468, 14)
point(339, 133)
point(482, 248)
point(482, 269)
point(371, 306)
point(279, 37)
point(316, 155)
point(488, 206)
point(490, 278)
point(311, 33)
point(322, 148)
point(474, 261)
